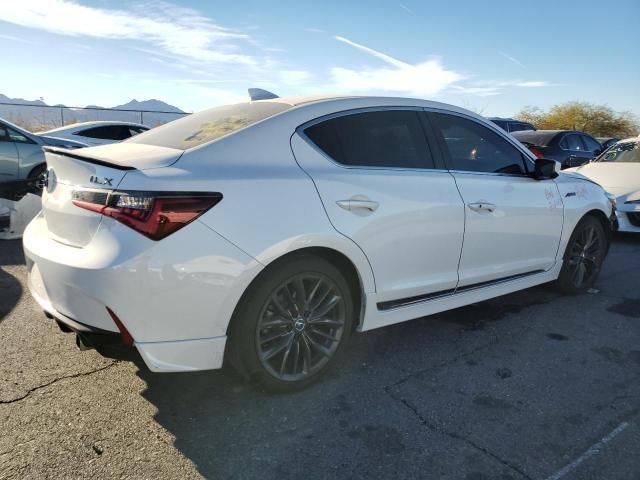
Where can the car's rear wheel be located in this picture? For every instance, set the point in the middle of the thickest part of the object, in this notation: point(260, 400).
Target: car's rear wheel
point(583, 257)
point(293, 323)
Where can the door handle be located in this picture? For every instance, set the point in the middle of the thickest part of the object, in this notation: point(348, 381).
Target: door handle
point(481, 207)
point(354, 204)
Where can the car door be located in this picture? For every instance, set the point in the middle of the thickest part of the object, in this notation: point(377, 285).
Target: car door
point(593, 148)
point(381, 187)
point(577, 150)
point(8, 156)
point(513, 222)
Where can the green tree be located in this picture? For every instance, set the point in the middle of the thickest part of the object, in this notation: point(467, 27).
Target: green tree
point(597, 120)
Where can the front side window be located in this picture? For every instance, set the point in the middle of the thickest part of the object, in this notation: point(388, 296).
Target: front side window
point(4, 134)
point(472, 147)
point(591, 144)
point(386, 138)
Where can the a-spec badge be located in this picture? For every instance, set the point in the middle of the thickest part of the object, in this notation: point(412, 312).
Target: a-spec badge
point(101, 181)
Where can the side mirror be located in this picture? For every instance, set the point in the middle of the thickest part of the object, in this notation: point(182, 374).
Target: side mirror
point(546, 169)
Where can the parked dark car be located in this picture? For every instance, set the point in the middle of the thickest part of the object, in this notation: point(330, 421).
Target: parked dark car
point(568, 147)
point(606, 142)
point(511, 124)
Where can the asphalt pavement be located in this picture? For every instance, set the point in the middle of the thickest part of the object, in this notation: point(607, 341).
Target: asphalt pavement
point(532, 385)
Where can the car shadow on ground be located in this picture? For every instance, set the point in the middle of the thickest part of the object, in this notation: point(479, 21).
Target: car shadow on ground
point(232, 429)
point(10, 289)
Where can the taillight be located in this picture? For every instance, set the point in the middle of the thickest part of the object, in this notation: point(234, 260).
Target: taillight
point(153, 214)
point(536, 151)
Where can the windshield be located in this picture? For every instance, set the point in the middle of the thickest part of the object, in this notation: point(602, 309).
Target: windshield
point(208, 125)
point(628, 152)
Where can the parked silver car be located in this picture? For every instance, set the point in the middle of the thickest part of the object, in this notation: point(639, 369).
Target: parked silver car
point(21, 154)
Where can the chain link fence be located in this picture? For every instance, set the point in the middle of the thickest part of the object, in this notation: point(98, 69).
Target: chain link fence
point(38, 118)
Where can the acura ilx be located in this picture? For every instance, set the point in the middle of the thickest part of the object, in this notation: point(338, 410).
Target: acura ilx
point(265, 233)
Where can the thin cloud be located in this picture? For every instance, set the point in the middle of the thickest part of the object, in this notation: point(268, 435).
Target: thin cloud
point(176, 30)
point(512, 59)
point(405, 8)
point(424, 78)
point(11, 38)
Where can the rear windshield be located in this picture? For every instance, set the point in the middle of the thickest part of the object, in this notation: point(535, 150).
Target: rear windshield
point(628, 152)
point(208, 125)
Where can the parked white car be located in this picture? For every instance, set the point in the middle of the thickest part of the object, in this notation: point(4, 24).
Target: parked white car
point(21, 155)
point(99, 132)
point(266, 232)
point(618, 171)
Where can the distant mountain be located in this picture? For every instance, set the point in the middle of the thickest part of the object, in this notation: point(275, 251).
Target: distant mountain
point(5, 99)
point(36, 115)
point(151, 105)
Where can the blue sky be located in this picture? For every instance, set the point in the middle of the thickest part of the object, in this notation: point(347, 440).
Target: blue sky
point(493, 57)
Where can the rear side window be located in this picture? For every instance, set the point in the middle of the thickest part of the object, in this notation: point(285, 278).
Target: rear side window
point(573, 142)
point(208, 125)
point(106, 132)
point(502, 124)
point(387, 138)
point(472, 147)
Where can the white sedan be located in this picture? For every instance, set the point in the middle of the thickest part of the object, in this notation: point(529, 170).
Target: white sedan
point(618, 171)
point(97, 133)
point(265, 233)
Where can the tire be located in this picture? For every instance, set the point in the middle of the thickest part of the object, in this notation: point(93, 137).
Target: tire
point(582, 261)
point(292, 324)
point(36, 172)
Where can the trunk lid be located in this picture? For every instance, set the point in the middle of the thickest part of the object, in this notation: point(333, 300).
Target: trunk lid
point(98, 170)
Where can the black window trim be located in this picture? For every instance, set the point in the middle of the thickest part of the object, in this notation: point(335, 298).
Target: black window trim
point(435, 154)
point(528, 161)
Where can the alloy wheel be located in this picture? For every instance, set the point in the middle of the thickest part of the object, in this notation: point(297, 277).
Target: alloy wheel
point(584, 256)
point(300, 326)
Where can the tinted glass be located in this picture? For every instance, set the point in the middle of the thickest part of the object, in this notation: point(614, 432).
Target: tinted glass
point(388, 138)
point(473, 147)
point(104, 133)
point(518, 127)
point(4, 135)
point(574, 142)
point(17, 136)
point(628, 152)
point(208, 125)
point(591, 144)
point(502, 124)
point(136, 130)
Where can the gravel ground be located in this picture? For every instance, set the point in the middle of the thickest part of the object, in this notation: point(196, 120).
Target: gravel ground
point(532, 385)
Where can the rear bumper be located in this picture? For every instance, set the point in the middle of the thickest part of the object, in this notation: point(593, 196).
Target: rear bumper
point(175, 297)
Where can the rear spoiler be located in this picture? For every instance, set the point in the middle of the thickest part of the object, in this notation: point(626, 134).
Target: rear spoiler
point(85, 158)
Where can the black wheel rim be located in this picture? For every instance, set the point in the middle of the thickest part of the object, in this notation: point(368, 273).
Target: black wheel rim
point(300, 327)
point(584, 256)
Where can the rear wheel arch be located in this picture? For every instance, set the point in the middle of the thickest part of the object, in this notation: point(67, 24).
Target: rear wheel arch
point(330, 255)
point(236, 348)
point(38, 169)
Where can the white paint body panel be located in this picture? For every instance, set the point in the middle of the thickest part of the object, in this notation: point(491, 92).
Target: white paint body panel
point(520, 235)
point(177, 296)
point(621, 180)
point(419, 212)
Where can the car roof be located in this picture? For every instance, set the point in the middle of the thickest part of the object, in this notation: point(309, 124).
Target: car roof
point(95, 123)
point(506, 119)
point(541, 137)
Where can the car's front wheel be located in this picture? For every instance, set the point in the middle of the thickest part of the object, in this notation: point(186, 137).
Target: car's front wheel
point(586, 250)
point(293, 323)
